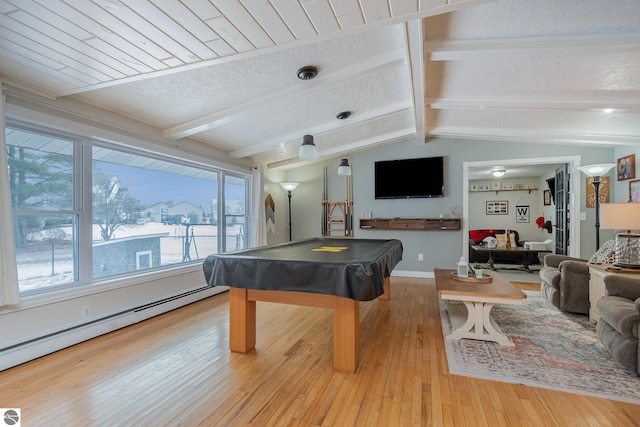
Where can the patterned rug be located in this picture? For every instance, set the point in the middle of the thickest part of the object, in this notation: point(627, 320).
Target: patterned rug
point(553, 350)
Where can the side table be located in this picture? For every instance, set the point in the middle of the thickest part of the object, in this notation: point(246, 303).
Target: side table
point(597, 272)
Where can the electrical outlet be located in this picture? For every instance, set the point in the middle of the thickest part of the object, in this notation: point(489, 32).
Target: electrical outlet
point(420, 257)
point(85, 311)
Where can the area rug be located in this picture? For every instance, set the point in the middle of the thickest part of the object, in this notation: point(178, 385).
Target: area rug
point(553, 350)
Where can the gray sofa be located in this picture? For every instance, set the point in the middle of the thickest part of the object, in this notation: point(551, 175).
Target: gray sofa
point(620, 316)
point(565, 282)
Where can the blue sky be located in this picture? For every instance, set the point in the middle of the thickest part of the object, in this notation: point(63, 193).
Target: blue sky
point(150, 186)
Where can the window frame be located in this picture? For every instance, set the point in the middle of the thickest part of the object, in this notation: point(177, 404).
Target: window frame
point(83, 146)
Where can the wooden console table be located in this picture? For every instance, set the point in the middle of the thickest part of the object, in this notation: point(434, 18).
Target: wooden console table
point(426, 224)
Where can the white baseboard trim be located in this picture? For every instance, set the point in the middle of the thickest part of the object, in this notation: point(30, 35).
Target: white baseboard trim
point(46, 345)
point(419, 274)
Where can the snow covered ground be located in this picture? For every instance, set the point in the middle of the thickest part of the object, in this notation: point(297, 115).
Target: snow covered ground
point(51, 262)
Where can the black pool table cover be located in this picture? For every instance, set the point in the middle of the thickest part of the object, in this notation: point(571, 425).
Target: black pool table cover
point(349, 268)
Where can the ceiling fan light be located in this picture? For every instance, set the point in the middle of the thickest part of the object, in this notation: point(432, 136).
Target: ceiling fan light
point(308, 150)
point(344, 169)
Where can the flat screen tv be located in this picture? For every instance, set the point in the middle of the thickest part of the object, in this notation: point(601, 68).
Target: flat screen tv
point(409, 178)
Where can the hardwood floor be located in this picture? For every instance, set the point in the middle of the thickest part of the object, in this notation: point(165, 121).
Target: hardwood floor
point(176, 370)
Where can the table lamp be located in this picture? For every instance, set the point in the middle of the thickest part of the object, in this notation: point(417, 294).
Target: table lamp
point(624, 218)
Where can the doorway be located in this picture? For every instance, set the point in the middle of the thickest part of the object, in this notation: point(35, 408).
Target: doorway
point(573, 217)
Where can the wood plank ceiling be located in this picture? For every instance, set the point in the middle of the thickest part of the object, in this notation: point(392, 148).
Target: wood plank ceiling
point(223, 72)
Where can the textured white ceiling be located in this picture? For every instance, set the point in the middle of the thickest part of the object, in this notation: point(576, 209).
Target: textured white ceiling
point(224, 72)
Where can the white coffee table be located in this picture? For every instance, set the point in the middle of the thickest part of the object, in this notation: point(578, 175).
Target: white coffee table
point(472, 319)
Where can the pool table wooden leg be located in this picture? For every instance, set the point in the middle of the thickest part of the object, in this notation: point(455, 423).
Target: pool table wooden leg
point(346, 334)
point(242, 321)
point(387, 289)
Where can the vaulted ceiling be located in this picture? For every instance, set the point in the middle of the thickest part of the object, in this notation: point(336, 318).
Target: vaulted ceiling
point(224, 72)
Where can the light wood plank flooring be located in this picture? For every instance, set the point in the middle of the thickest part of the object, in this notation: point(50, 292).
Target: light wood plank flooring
point(176, 370)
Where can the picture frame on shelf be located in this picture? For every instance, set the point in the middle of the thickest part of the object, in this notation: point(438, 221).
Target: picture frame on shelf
point(626, 167)
point(634, 191)
point(497, 207)
point(495, 185)
point(520, 187)
point(483, 186)
point(546, 197)
point(507, 185)
point(474, 187)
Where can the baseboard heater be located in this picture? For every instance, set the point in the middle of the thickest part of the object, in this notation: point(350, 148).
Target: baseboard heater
point(30, 350)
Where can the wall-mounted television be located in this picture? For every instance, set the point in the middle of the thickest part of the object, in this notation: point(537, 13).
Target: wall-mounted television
point(409, 178)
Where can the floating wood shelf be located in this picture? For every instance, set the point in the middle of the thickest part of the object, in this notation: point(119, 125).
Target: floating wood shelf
point(497, 191)
point(426, 224)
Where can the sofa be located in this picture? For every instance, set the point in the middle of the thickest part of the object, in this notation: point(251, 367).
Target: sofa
point(476, 237)
point(619, 319)
point(564, 280)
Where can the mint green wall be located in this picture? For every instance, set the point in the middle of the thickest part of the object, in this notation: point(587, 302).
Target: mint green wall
point(622, 187)
point(441, 249)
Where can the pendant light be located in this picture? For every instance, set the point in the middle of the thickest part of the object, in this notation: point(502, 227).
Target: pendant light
point(344, 169)
point(308, 150)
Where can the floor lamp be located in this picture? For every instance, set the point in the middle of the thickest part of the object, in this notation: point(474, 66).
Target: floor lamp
point(289, 187)
point(596, 172)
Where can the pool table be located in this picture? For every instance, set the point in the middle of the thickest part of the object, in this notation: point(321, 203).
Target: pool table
point(320, 272)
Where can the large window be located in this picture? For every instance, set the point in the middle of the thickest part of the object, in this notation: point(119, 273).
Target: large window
point(134, 212)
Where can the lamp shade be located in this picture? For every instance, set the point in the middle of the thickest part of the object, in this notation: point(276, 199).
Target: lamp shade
point(620, 216)
point(597, 170)
point(344, 169)
point(308, 150)
point(289, 186)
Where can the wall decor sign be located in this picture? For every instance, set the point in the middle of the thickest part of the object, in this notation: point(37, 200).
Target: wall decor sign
point(499, 207)
point(547, 197)
point(522, 213)
point(634, 191)
point(603, 192)
point(627, 167)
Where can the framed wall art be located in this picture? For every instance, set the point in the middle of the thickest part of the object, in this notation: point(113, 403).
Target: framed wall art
point(522, 213)
point(603, 191)
point(627, 167)
point(634, 191)
point(499, 207)
point(546, 196)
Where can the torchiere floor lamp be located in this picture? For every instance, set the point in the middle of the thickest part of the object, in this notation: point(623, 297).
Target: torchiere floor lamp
point(596, 172)
point(289, 187)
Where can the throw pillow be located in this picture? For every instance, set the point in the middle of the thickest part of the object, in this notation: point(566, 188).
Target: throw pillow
point(502, 241)
point(605, 254)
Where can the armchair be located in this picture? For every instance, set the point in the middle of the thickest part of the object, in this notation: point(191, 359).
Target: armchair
point(565, 282)
point(620, 316)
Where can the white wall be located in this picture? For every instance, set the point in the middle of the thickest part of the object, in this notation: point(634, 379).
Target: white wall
point(478, 217)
